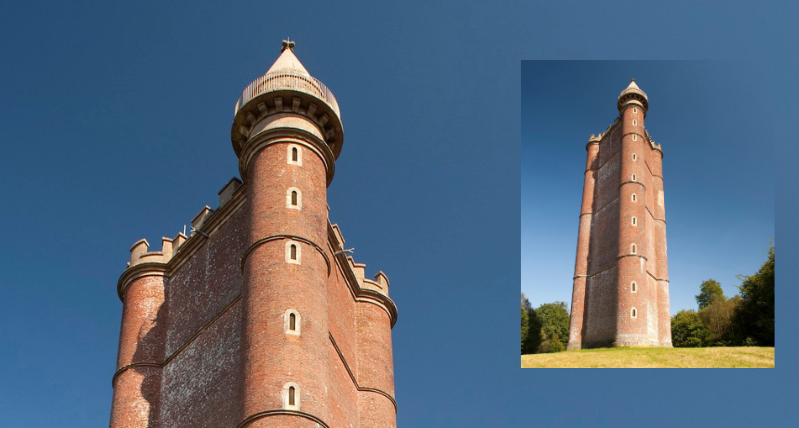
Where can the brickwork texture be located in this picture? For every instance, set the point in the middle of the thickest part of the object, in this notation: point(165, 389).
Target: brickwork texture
point(621, 289)
point(260, 318)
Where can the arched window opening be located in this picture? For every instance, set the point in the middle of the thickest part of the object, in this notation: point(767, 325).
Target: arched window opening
point(635, 137)
point(635, 109)
point(294, 198)
point(292, 322)
point(291, 396)
point(635, 122)
point(293, 254)
point(634, 313)
point(633, 287)
point(294, 155)
point(635, 157)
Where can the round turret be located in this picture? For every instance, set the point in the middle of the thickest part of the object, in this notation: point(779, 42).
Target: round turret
point(287, 89)
point(633, 95)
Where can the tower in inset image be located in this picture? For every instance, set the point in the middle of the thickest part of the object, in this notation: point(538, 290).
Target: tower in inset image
point(621, 286)
point(260, 318)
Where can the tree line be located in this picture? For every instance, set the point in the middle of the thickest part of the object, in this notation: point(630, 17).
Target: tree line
point(746, 319)
point(544, 329)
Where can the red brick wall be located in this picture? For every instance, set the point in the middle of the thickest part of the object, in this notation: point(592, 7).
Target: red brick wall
point(603, 300)
point(213, 334)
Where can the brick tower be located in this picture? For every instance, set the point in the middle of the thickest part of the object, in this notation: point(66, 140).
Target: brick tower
point(621, 286)
point(259, 318)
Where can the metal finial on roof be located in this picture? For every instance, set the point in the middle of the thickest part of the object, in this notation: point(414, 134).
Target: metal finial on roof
point(287, 44)
point(633, 80)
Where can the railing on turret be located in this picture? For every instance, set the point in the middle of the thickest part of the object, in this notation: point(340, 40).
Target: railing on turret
point(287, 80)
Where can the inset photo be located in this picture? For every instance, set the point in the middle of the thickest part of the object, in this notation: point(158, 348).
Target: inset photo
point(647, 215)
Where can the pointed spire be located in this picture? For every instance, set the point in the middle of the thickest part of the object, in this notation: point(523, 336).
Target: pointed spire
point(287, 61)
point(632, 91)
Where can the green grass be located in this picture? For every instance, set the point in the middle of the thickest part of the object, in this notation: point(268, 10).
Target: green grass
point(721, 357)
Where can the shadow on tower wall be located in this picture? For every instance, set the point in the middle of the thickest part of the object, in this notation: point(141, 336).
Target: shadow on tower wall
point(150, 350)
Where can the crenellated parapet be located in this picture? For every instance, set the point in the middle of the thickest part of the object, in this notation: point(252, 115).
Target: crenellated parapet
point(146, 262)
point(140, 251)
point(365, 289)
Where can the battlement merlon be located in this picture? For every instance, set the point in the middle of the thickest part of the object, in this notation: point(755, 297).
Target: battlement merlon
point(140, 251)
point(379, 284)
point(365, 289)
point(226, 193)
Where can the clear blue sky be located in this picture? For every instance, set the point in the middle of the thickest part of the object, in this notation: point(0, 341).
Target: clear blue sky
point(718, 169)
point(115, 125)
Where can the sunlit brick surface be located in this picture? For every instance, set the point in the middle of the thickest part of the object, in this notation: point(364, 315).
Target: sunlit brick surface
point(622, 239)
point(203, 341)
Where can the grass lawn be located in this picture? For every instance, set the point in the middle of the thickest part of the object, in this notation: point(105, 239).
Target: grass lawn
point(751, 357)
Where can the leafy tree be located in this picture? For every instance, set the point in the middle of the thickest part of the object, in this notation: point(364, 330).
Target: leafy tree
point(757, 306)
point(687, 330)
point(525, 321)
point(707, 290)
point(555, 345)
point(554, 319)
point(533, 333)
point(719, 317)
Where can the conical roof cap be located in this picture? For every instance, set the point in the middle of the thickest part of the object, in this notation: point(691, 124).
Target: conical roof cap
point(287, 61)
point(633, 88)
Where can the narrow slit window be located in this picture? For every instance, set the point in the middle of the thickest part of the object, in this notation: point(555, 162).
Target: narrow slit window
point(294, 155)
point(292, 322)
point(633, 287)
point(294, 198)
point(635, 110)
point(635, 198)
point(635, 221)
point(634, 313)
point(291, 396)
point(293, 255)
point(635, 157)
point(635, 122)
point(634, 177)
point(635, 137)
point(632, 249)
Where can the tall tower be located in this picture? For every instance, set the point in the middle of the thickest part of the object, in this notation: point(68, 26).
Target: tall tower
point(259, 318)
point(621, 287)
